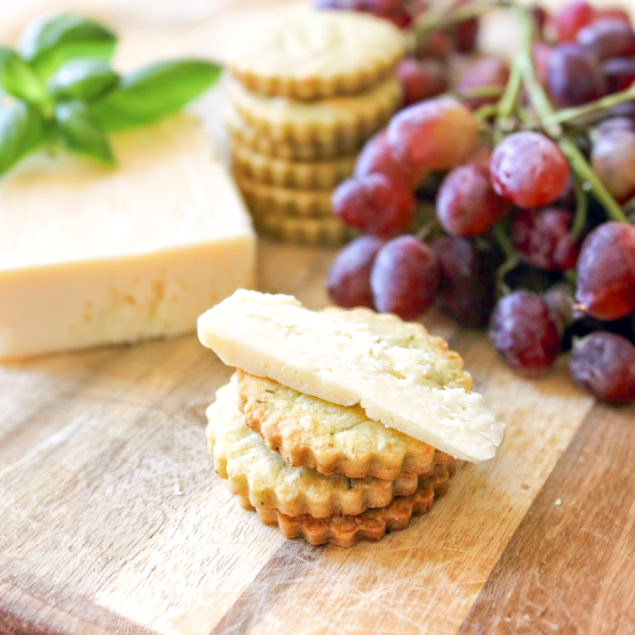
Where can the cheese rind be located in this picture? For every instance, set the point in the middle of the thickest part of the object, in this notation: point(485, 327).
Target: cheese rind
point(344, 361)
point(92, 255)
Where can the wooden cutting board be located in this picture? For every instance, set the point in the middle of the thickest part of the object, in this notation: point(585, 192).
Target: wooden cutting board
point(112, 519)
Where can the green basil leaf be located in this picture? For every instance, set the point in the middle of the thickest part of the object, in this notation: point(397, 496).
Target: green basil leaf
point(79, 132)
point(153, 92)
point(21, 130)
point(85, 79)
point(17, 77)
point(49, 43)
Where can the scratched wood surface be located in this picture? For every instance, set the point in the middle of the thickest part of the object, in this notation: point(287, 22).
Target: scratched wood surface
point(113, 521)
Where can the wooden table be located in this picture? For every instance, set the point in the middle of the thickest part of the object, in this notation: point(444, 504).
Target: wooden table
point(113, 521)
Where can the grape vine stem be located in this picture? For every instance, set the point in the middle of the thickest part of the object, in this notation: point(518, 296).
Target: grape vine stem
point(579, 165)
point(569, 114)
point(442, 15)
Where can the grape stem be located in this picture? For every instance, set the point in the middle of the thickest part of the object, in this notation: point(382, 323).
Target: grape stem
point(485, 112)
point(581, 208)
point(441, 15)
point(480, 92)
point(579, 165)
point(503, 240)
point(506, 103)
point(511, 259)
point(569, 114)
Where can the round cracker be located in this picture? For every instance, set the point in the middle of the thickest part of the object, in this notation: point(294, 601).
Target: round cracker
point(372, 524)
point(272, 199)
point(307, 431)
point(321, 174)
point(327, 231)
point(310, 54)
point(352, 117)
point(260, 476)
point(258, 140)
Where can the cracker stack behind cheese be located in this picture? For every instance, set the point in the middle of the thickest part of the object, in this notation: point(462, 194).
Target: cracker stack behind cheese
point(338, 425)
point(305, 93)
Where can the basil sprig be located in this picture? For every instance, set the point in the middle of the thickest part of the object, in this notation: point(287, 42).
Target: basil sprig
point(153, 92)
point(21, 130)
point(59, 87)
point(18, 78)
point(81, 78)
point(47, 44)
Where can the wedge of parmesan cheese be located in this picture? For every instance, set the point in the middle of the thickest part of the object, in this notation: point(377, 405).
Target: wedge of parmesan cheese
point(346, 362)
point(95, 255)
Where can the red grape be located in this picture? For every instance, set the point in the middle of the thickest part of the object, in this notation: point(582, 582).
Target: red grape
point(480, 73)
point(614, 13)
point(541, 238)
point(613, 160)
point(348, 281)
point(604, 365)
point(464, 34)
point(405, 277)
point(376, 157)
point(626, 110)
point(566, 198)
point(541, 52)
point(467, 204)
point(434, 134)
point(374, 203)
point(615, 123)
point(608, 38)
point(571, 18)
point(528, 169)
point(359, 5)
point(524, 333)
point(467, 289)
point(435, 45)
point(540, 16)
point(401, 18)
point(347, 5)
point(574, 76)
point(391, 10)
point(380, 5)
point(619, 73)
point(561, 304)
point(420, 80)
point(606, 271)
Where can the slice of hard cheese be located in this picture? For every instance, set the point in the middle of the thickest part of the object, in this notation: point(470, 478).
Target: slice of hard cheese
point(93, 255)
point(350, 357)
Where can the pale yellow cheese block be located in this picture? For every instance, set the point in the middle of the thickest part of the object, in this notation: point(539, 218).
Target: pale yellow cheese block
point(94, 255)
point(356, 357)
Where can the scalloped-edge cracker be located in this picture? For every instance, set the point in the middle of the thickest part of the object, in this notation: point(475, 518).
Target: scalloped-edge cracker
point(322, 174)
point(310, 432)
point(326, 122)
point(308, 54)
point(260, 476)
point(371, 525)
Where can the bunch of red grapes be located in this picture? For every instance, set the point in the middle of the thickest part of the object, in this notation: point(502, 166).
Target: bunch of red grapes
point(516, 237)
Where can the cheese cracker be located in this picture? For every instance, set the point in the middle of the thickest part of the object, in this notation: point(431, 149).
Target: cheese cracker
point(260, 476)
point(324, 231)
point(372, 524)
point(243, 133)
point(316, 54)
point(322, 174)
point(307, 431)
point(285, 201)
point(353, 117)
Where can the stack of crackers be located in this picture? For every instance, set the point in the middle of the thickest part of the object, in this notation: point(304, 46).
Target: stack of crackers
point(325, 471)
point(304, 95)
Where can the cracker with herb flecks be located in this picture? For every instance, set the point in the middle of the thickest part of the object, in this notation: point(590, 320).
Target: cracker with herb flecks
point(261, 478)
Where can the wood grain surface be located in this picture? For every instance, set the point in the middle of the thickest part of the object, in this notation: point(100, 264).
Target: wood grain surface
point(112, 520)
